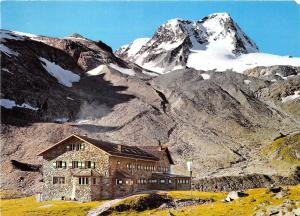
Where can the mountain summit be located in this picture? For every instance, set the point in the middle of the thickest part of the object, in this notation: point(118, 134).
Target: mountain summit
point(214, 42)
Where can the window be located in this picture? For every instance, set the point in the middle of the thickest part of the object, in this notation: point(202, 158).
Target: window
point(77, 147)
point(119, 182)
point(162, 181)
point(74, 164)
point(170, 181)
point(153, 181)
point(60, 164)
point(127, 166)
point(118, 162)
point(94, 181)
point(80, 164)
point(87, 164)
point(129, 182)
point(82, 146)
point(58, 180)
point(83, 180)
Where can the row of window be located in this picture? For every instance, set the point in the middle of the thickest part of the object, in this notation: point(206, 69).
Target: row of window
point(74, 164)
point(81, 180)
point(152, 181)
point(145, 167)
point(75, 147)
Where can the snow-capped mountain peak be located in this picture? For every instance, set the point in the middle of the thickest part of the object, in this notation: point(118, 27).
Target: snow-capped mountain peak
point(175, 40)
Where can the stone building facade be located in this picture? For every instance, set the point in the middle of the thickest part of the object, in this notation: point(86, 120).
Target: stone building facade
point(85, 169)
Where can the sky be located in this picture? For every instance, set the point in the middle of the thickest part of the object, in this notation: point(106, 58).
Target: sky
point(273, 25)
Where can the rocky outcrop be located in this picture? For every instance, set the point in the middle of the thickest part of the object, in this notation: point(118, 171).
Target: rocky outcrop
point(273, 73)
point(235, 183)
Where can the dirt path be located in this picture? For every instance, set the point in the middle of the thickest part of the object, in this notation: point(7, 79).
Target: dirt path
point(103, 207)
point(106, 205)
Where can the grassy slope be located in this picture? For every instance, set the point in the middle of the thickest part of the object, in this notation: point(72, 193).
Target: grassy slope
point(284, 152)
point(29, 206)
point(244, 206)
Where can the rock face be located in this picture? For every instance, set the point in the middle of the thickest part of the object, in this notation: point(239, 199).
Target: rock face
point(220, 119)
point(40, 73)
point(273, 73)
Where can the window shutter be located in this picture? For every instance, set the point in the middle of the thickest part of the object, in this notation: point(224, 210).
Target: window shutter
point(82, 145)
point(64, 164)
point(70, 164)
point(93, 165)
point(54, 164)
point(68, 148)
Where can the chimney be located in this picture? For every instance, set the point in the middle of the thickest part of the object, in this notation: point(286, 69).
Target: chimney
point(159, 146)
point(119, 147)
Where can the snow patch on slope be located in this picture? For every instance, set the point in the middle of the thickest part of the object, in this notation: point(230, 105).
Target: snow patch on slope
point(24, 34)
point(96, 71)
point(291, 97)
point(14, 35)
point(127, 71)
point(205, 76)
point(64, 77)
point(6, 70)
point(247, 82)
point(7, 51)
point(9, 104)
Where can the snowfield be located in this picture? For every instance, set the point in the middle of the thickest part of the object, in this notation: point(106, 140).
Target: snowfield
point(9, 104)
point(221, 61)
point(64, 77)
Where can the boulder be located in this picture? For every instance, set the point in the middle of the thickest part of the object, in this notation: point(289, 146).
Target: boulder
point(233, 195)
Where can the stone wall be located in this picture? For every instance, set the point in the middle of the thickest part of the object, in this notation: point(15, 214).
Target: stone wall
point(71, 188)
point(230, 183)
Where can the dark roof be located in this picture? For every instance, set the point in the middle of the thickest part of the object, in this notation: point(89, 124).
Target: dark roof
point(168, 175)
point(120, 150)
point(113, 149)
point(158, 151)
